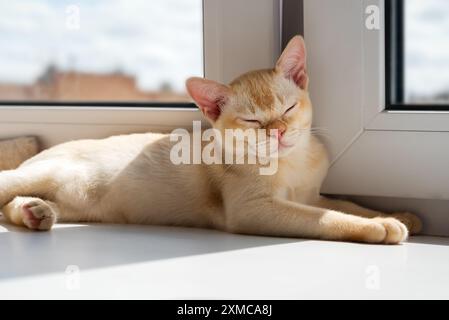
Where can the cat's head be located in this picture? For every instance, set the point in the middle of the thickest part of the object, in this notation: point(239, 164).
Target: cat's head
point(267, 99)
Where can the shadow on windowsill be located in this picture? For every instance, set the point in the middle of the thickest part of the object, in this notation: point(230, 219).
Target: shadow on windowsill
point(26, 253)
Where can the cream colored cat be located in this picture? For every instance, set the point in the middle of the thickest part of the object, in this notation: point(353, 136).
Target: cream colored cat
point(130, 179)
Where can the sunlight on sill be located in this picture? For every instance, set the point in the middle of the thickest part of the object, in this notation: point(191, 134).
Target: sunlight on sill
point(6, 227)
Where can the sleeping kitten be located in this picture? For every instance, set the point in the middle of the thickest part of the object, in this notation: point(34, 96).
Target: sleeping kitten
point(130, 179)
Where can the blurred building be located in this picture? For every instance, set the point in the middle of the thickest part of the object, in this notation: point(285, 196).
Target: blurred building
point(56, 85)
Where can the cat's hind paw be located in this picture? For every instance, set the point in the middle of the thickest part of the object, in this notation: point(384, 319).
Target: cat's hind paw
point(38, 215)
point(411, 221)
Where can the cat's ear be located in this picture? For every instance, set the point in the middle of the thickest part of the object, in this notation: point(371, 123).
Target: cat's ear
point(210, 96)
point(292, 63)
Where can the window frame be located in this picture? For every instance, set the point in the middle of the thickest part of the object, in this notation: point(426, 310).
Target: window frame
point(231, 47)
point(291, 25)
point(394, 53)
point(394, 63)
point(374, 151)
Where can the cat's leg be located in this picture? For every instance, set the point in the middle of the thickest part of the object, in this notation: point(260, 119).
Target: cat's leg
point(413, 223)
point(277, 217)
point(33, 213)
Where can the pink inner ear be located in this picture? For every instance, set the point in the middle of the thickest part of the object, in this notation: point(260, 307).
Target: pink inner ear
point(295, 70)
point(210, 96)
point(292, 62)
point(211, 109)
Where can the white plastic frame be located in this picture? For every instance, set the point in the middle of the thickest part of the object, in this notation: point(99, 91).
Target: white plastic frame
point(374, 152)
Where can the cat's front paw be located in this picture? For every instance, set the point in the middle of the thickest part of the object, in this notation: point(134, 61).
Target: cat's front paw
point(411, 221)
point(395, 231)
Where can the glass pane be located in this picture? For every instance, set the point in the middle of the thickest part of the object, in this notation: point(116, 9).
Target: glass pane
point(99, 50)
point(427, 51)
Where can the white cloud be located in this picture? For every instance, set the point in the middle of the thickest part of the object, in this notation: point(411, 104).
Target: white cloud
point(427, 47)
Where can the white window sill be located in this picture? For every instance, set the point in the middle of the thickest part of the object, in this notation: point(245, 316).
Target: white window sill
point(173, 263)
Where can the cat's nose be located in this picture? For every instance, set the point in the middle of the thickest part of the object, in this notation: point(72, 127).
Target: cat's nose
point(278, 133)
point(281, 132)
point(279, 128)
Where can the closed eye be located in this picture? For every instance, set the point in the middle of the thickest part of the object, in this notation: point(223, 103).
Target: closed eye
point(252, 121)
point(290, 109)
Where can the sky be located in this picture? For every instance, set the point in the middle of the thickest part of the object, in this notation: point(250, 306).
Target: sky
point(157, 41)
point(427, 47)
